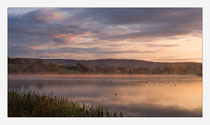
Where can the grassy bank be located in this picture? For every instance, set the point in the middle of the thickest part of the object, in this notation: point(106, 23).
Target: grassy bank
point(31, 104)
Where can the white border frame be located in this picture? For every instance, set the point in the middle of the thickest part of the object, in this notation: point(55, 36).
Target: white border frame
point(4, 4)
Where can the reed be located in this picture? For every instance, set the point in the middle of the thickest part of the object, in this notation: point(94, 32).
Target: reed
point(32, 104)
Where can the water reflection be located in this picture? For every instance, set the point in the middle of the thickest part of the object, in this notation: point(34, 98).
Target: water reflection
point(135, 95)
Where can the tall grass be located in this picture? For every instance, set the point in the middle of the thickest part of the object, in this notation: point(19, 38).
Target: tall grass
point(31, 104)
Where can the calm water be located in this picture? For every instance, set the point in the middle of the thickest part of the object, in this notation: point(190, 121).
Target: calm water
point(134, 95)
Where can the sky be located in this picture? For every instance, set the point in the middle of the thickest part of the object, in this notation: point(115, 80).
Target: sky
point(151, 34)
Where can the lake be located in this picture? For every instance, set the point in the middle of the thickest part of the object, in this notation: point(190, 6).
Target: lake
point(134, 95)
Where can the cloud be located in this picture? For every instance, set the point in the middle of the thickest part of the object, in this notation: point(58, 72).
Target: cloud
point(119, 16)
point(92, 50)
point(38, 27)
point(20, 11)
point(42, 16)
point(63, 38)
point(18, 51)
point(149, 22)
point(81, 28)
point(158, 45)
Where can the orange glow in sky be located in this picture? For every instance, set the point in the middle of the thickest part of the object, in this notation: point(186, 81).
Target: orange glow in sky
point(160, 35)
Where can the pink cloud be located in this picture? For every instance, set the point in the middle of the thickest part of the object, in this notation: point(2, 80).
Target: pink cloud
point(47, 16)
point(64, 38)
point(32, 47)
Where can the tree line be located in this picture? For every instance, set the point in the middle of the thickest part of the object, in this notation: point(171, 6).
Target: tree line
point(19, 65)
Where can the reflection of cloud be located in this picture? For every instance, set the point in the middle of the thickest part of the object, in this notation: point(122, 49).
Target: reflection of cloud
point(144, 109)
point(132, 98)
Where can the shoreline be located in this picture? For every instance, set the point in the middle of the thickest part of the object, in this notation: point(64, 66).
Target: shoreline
point(94, 76)
point(98, 75)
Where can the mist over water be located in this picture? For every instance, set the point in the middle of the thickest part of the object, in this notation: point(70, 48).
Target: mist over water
point(134, 95)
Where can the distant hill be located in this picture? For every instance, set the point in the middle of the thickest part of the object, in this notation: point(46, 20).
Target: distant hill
point(119, 63)
point(123, 66)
